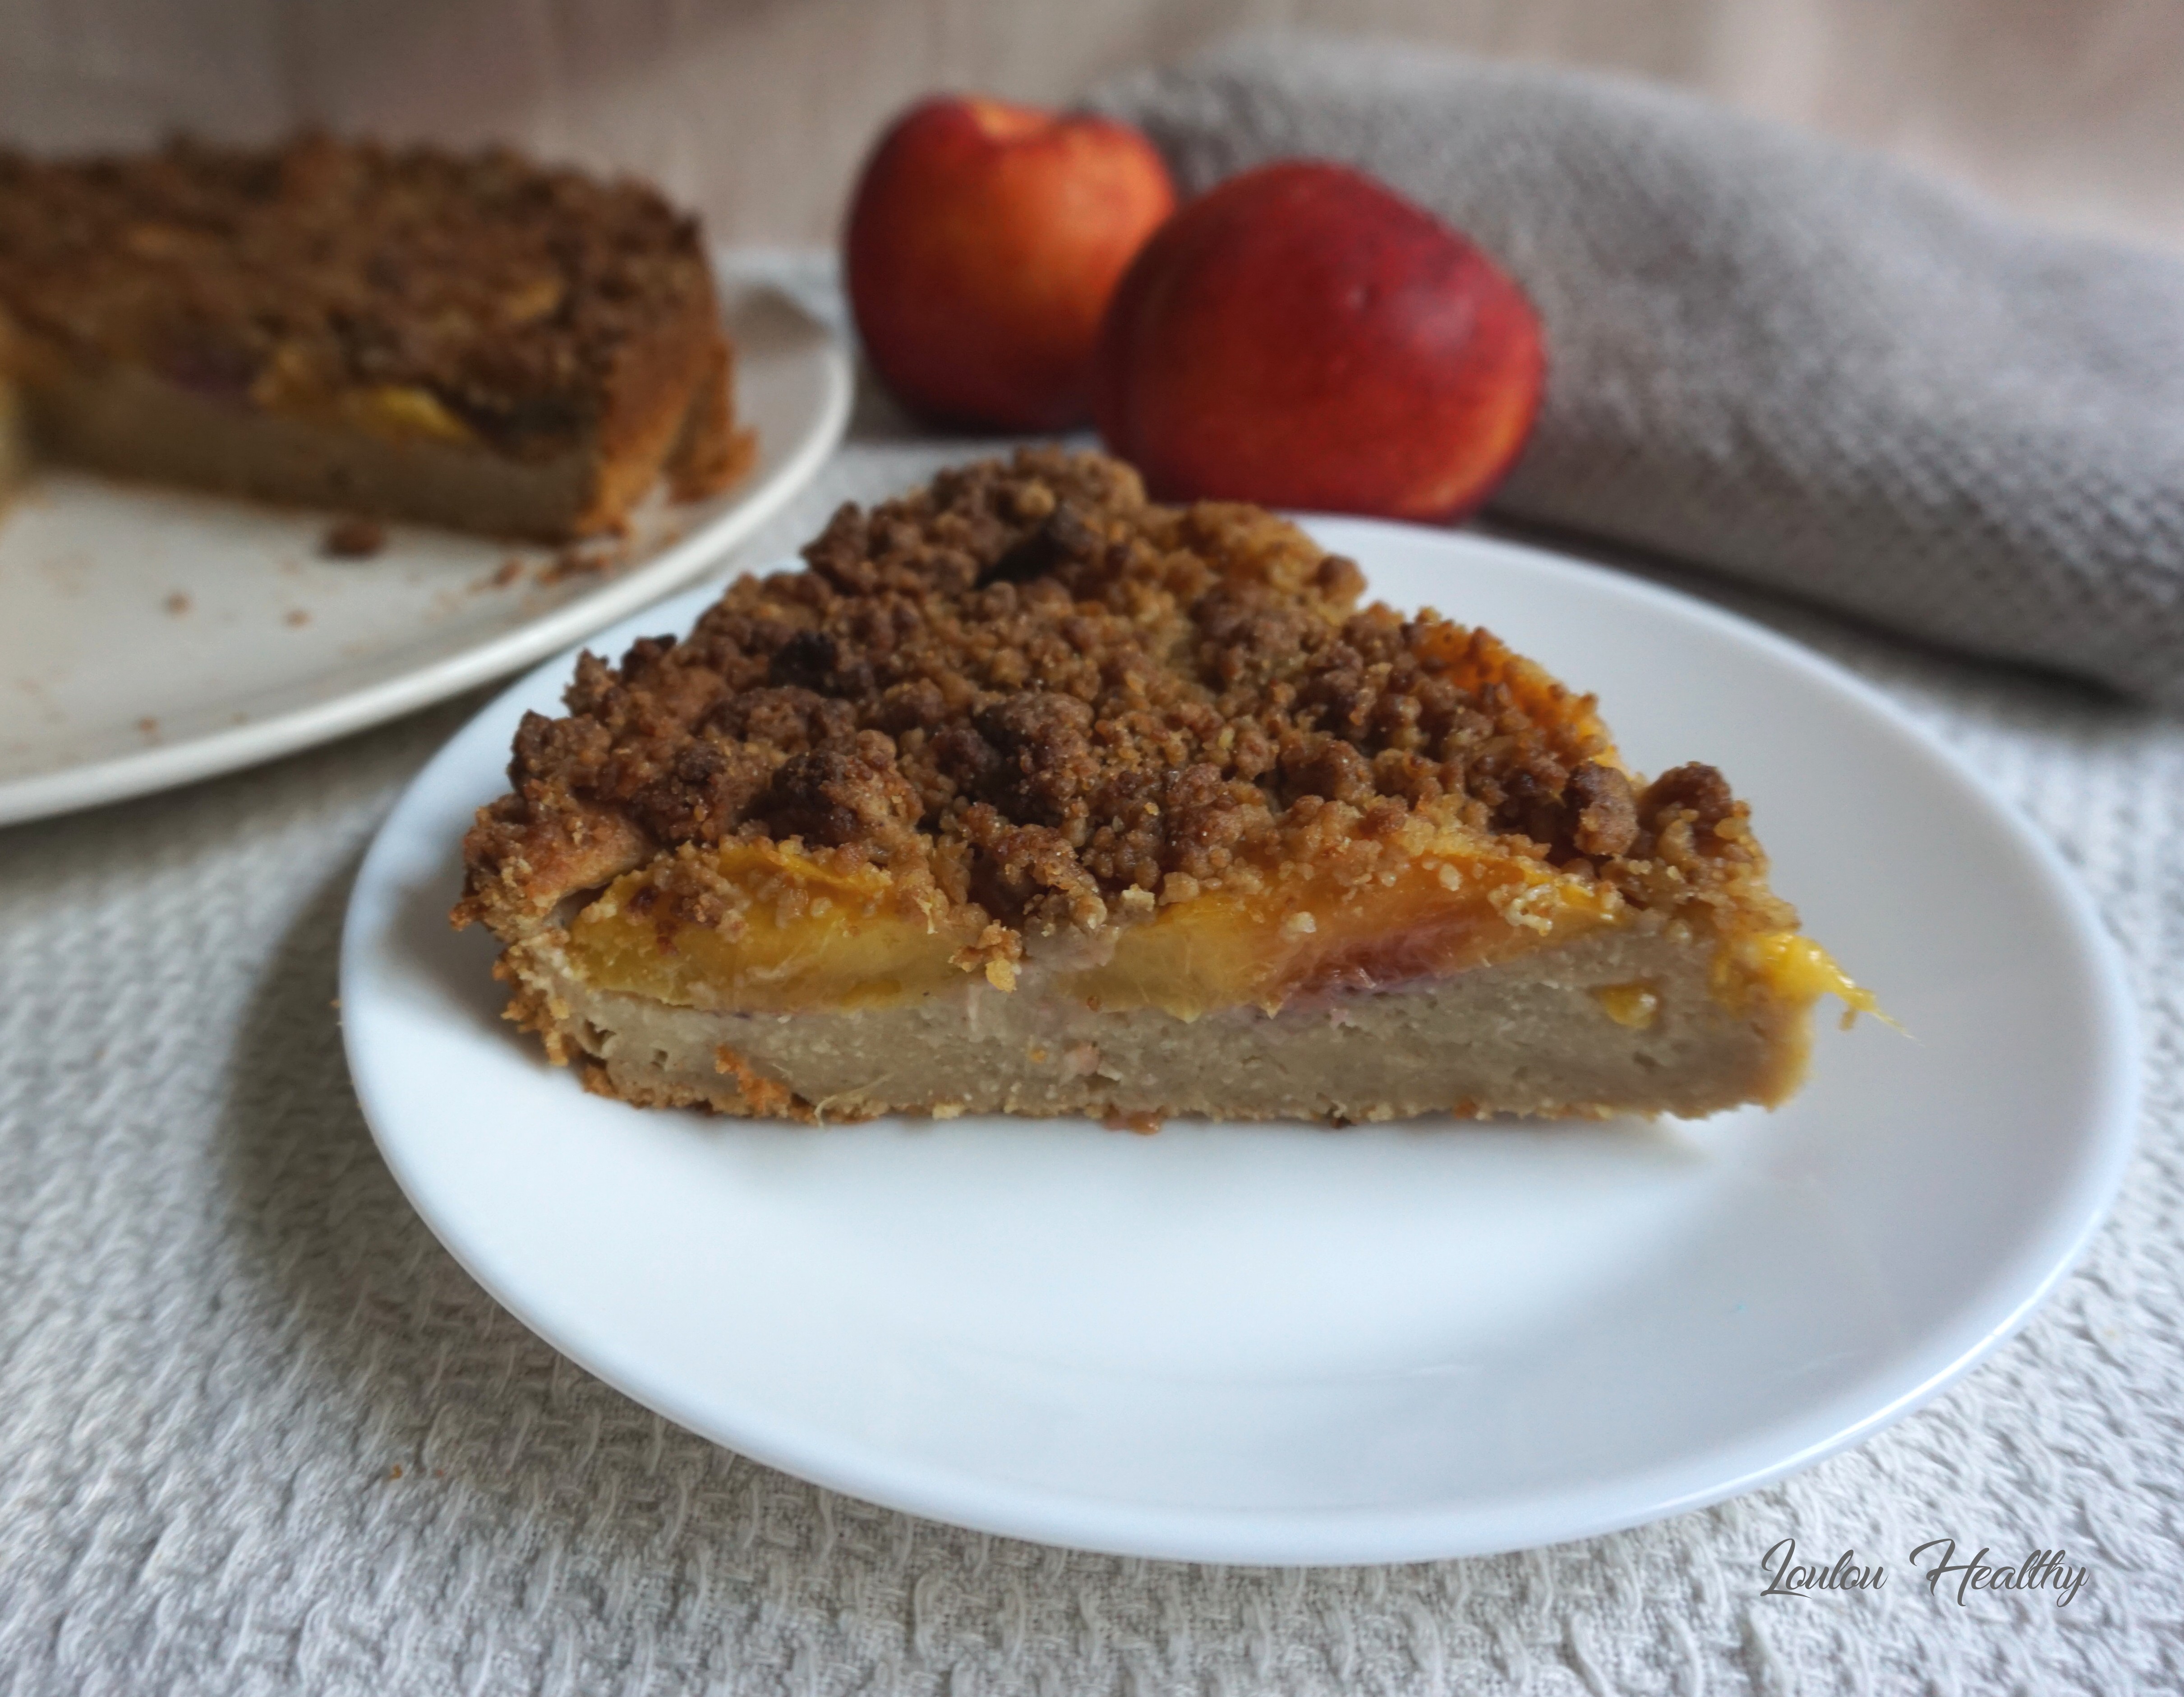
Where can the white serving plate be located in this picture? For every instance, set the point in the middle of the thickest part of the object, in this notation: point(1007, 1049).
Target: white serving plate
point(151, 636)
point(1285, 1344)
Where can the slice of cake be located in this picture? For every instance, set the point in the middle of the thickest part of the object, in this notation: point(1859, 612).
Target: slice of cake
point(1027, 797)
point(473, 341)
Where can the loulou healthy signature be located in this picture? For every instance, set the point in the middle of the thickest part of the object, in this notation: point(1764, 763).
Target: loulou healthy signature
point(2042, 1570)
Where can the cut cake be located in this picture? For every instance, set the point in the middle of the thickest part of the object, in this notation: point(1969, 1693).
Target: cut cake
point(468, 340)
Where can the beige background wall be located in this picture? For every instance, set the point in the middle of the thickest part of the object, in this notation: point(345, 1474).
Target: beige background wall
point(756, 111)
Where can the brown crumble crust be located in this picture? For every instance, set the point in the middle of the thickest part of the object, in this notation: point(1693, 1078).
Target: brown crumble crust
point(516, 295)
point(1043, 702)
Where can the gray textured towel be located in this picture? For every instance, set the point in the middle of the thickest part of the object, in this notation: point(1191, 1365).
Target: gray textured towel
point(1775, 356)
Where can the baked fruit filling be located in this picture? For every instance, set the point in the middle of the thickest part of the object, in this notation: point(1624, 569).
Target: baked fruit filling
point(472, 340)
point(1029, 796)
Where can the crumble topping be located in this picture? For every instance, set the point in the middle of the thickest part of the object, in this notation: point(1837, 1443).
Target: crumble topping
point(1040, 701)
point(479, 291)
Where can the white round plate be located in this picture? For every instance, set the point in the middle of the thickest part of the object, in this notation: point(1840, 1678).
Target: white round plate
point(1287, 1344)
point(151, 636)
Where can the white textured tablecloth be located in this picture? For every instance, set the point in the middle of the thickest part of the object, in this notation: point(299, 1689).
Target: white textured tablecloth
point(259, 1432)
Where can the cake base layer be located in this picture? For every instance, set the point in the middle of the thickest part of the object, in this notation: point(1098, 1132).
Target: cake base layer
point(1622, 1022)
point(123, 420)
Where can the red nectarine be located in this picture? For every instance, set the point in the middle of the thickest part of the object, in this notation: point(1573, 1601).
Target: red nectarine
point(1302, 336)
point(984, 241)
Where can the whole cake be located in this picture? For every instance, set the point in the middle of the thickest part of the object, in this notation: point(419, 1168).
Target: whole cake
point(1027, 795)
point(469, 340)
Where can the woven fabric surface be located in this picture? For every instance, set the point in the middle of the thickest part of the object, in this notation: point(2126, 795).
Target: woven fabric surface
point(260, 1433)
point(1773, 356)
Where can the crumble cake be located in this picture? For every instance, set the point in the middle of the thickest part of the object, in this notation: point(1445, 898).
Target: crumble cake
point(1027, 795)
point(469, 340)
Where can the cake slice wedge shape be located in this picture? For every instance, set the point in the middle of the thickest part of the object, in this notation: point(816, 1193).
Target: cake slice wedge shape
point(1027, 795)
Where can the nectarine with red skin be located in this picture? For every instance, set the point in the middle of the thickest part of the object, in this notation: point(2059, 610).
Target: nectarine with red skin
point(984, 240)
point(1302, 336)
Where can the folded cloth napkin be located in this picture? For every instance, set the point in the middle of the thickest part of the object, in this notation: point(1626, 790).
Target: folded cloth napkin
point(1772, 355)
